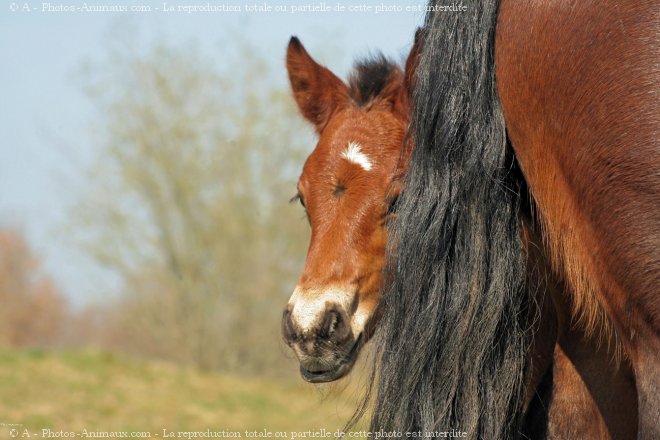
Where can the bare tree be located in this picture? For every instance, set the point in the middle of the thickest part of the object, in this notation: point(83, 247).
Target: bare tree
point(188, 203)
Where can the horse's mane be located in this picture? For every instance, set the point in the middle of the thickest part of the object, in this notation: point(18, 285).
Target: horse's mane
point(372, 78)
point(452, 340)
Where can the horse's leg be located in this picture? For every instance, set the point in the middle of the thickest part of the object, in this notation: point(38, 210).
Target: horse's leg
point(647, 372)
point(573, 412)
point(593, 394)
point(545, 323)
point(594, 397)
point(574, 399)
point(578, 86)
point(545, 330)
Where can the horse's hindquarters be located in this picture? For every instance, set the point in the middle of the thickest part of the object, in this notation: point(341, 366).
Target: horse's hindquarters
point(578, 85)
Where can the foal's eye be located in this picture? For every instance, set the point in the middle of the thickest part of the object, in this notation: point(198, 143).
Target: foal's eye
point(298, 197)
point(392, 202)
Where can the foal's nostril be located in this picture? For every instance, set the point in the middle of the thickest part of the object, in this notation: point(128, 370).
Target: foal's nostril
point(334, 326)
point(332, 319)
point(288, 330)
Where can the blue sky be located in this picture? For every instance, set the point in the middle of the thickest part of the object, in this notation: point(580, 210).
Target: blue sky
point(45, 116)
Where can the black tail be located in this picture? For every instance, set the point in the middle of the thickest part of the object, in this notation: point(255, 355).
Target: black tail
point(452, 339)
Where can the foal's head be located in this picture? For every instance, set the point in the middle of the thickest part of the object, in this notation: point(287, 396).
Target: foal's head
point(347, 187)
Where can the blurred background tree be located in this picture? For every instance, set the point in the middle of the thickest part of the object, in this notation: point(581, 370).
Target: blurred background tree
point(188, 205)
point(33, 312)
point(180, 160)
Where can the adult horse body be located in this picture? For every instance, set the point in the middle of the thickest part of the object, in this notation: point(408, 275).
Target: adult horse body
point(583, 117)
point(455, 339)
point(578, 89)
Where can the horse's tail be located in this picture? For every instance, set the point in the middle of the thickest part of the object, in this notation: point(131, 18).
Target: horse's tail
point(452, 337)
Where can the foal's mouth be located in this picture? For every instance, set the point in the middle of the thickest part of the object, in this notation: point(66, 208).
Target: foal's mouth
point(337, 372)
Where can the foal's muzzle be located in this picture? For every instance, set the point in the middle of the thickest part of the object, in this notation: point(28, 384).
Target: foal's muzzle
point(323, 341)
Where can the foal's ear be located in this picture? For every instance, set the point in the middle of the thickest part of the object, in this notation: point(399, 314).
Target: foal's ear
point(317, 91)
point(404, 102)
point(410, 75)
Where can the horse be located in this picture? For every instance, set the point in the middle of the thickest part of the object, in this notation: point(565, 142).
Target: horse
point(574, 90)
point(390, 90)
point(346, 189)
point(332, 311)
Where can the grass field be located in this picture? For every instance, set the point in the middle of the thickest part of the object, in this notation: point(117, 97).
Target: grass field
point(94, 391)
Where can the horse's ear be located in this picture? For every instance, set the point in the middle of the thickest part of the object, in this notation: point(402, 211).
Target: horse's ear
point(410, 75)
point(317, 91)
point(404, 101)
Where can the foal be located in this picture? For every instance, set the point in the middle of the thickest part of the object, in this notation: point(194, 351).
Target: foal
point(349, 187)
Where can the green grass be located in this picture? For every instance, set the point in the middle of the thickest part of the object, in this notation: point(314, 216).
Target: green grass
point(99, 391)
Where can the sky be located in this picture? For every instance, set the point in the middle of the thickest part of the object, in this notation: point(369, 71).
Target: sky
point(46, 119)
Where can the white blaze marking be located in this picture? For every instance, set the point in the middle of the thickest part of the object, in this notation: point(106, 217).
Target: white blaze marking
point(308, 307)
point(359, 320)
point(353, 153)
